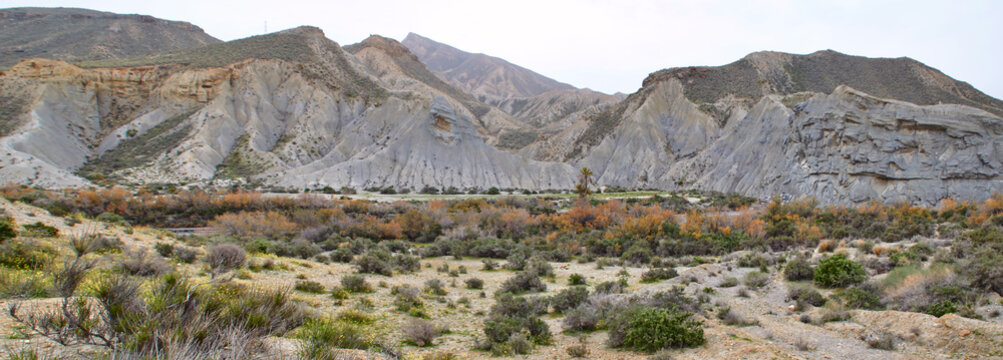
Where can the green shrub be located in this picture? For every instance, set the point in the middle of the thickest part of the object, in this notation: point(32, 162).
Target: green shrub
point(576, 279)
point(307, 286)
point(407, 299)
point(142, 319)
point(581, 318)
point(7, 229)
point(23, 284)
point(474, 283)
point(798, 269)
point(658, 274)
point(756, 279)
point(861, 297)
point(569, 298)
point(728, 282)
point(523, 281)
point(653, 329)
point(38, 229)
point(611, 287)
point(942, 308)
point(540, 266)
point(805, 295)
point(355, 284)
point(984, 270)
point(375, 262)
point(25, 255)
point(164, 249)
point(355, 317)
point(342, 255)
point(338, 293)
point(838, 271)
point(638, 254)
point(185, 254)
point(514, 316)
point(754, 261)
point(320, 336)
point(112, 218)
point(434, 287)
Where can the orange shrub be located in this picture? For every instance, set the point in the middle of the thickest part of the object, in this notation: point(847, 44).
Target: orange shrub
point(647, 226)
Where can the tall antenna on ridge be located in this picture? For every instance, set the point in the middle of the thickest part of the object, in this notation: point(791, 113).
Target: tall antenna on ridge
point(266, 26)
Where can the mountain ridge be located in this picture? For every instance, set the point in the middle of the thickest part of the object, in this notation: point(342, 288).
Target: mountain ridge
point(479, 74)
point(74, 34)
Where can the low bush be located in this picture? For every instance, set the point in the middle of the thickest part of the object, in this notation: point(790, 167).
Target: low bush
point(164, 249)
point(420, 332)
point(510, 318)
point(23, 284)
point(185, 254)
point(38, 229)
point(581, 318)
point(863, 296)
point(984, 271)
point(407, 299)
point(320, 336)
point(569, 298)
point(342, 255)
point(474, 283)
point(942, 307)
point(883, 340)
point(732, 318)
point(489, 265)
point(579, 350)
point(652, 329)
point(756, 279)
point(576, 279)
point(355, 284)
point(524, 281)
point(728, 282)
point(611, 287)
point(111, 218)
point(798, 269)
point(307, 286)
point(141, 263)
point(805, 295)
point(658, 274)
point(434, 287)
point(837, 271)
point(382, 262)
point(25, 254)
point(225, 257)
point(355, 317)
point(755, 261)
point(539, 266)
point(141, 318)
point(7, 229)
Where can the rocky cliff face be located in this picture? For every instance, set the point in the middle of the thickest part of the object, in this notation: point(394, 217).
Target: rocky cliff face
point(296, 109)
point(331, 117)
point(79, 34)
point(771, 125)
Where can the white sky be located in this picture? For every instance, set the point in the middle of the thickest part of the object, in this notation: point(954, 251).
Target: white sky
point(612, 45)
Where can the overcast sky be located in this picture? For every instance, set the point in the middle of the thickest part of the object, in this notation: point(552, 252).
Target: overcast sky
point(611, 46)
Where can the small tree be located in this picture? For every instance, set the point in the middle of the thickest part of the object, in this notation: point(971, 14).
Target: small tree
point(584, 182)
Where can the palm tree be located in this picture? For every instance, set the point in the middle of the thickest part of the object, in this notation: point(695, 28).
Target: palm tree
point(584, 181)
